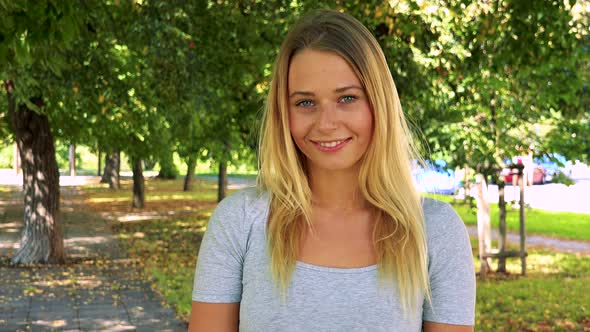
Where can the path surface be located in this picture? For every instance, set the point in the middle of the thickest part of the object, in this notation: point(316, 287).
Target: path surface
point(539, 241)
point(100, 289)
point(551, 196)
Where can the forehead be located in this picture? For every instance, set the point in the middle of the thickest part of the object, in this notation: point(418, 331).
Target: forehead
point(319, 70)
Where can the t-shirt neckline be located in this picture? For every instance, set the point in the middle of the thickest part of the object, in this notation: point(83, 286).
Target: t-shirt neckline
point(321, 268)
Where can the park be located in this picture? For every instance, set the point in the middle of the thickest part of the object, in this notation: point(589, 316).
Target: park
point(124, 123)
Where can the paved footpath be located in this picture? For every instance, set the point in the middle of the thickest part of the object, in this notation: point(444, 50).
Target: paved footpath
point(99, 289)
point(540, 241)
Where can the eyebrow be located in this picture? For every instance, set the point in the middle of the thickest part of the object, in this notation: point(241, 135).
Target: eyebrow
point(339, 90)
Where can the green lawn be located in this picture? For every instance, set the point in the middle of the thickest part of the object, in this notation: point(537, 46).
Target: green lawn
point(235, 175)
point(567, 225)
point(552, 297)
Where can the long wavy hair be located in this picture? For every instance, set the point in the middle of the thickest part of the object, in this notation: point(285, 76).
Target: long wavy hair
point(385, 175)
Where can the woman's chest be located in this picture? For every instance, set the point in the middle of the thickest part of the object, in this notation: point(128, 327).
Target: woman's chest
point(343, 243)
point(318, 297)
point(322, 299)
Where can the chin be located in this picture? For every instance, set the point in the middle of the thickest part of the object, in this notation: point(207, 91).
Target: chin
point(335, 167)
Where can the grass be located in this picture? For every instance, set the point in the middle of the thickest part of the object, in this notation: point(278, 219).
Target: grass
point(251, 176)
point(567, 225)
point(5, 189)
point(552, 297)
point(168, 249)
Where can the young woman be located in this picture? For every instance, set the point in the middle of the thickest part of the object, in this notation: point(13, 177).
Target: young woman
point(335, 237)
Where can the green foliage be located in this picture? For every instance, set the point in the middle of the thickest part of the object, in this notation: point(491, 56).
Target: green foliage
point(152, 77)
point(491, 69)
point(560, 177)
point(167, 168)
point(62, 155)
point(572, 136)
point(34, 37)
point(190, 77)
point(6, 156)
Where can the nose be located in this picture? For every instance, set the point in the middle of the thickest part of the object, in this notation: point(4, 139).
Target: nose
point(328, 118)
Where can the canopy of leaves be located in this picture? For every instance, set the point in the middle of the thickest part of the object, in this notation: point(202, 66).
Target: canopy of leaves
point(477, 78)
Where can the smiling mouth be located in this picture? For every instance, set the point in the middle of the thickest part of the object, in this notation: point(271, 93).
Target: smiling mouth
point(331, 145)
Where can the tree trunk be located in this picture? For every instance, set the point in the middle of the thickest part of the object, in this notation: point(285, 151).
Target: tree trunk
point(99, 165)
point(167, 168)
point(483, 224)
point(222, 181)
point(42, 237)
point(16, 162)
point(502, 226)
point(111, 170)
point(118, 168)
point(138, 185)
point(72, 159)
point(107, 169)
point(522, 227)
point(190, 173)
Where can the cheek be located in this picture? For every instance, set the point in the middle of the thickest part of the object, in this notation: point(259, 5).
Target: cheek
point(371, 128)
point(297, 128)
point(367, 124)
point(291, 123)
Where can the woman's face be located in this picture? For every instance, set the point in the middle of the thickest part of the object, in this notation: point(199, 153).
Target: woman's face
point(329, 115)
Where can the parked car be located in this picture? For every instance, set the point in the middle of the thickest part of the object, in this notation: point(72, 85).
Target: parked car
point(543, 172)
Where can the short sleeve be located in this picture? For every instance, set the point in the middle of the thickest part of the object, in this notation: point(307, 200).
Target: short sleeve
point(218, 274)
point(450, 268)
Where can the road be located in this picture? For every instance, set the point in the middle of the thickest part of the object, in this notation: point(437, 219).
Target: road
point(552, 196)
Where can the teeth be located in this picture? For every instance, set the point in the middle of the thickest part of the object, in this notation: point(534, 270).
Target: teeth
point(330, 144)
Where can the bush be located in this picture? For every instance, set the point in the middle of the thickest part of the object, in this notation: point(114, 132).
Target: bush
point(6, 155)
point(560, 177)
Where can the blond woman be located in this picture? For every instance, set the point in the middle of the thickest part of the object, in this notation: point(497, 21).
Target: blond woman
point(335, 237)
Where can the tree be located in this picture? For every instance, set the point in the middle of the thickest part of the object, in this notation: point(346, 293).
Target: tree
point(238, 80)
point(519, 65)
point(222, 52)
point(117, 88)
point(112, 166)
point(34, 38)
point(570, 129)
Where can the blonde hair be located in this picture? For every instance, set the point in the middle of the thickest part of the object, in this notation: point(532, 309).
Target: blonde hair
point(385, 176)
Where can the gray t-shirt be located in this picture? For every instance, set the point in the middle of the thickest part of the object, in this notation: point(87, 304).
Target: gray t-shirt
point(233, 266)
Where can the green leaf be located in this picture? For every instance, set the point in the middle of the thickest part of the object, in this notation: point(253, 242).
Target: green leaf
point(22, 54)
point(32, 106)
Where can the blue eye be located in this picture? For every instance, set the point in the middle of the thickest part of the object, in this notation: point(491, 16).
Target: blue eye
point(304, 103)
point(347, 99)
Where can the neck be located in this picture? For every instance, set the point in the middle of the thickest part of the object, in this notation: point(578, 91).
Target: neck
point(336, 190)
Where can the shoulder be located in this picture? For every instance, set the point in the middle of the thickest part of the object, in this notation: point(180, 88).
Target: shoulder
point(450, 266)
point(231, 223)
point(441, 220)
point(241, 208)
point(244, 200)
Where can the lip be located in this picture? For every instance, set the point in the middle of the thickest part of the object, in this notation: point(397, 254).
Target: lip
point(331, 149)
